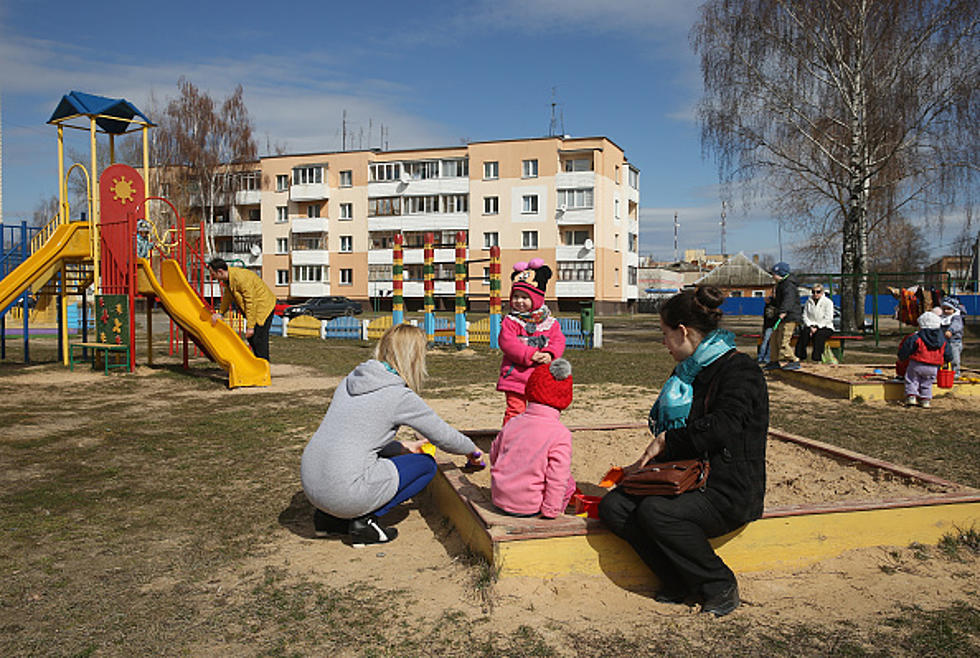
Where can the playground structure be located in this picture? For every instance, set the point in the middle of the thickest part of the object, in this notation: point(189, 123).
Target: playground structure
point(118, 249)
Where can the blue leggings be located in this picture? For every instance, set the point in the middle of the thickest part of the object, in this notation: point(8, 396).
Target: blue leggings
point(414, 473)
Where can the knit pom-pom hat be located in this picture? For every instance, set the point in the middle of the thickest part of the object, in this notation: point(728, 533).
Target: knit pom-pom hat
point(551, 384)
point(929, 320)
point(531, 278)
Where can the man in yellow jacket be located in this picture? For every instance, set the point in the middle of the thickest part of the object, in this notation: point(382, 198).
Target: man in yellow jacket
point(252, 297)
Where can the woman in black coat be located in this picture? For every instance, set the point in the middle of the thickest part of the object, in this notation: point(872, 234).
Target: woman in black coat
point(715, 404)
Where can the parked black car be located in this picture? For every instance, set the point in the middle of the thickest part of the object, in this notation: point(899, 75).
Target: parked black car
point(324, 308)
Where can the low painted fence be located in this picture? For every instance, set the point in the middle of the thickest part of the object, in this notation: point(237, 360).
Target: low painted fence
point(478, 332)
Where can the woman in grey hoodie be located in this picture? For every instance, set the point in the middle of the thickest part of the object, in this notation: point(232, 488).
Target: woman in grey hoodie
point(353, 470)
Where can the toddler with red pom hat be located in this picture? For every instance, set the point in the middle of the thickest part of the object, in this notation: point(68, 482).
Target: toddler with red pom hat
point(531, 458)
point(529, 334)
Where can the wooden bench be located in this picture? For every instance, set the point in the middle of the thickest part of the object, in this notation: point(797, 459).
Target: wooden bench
point(105, 348)
point(835, 343)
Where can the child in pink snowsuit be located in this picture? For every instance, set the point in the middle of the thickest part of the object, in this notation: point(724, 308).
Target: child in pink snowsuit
point(529, 335)
point(531, 458)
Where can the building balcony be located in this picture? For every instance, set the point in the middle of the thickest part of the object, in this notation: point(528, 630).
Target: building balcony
point(575, 288)
point(247, 257)
point(312, 289)
point(228, 229)
point(309, 192)
point(412, 289)
point(573, 217)
point(565, 180)
point(632, 292)
point(574, 253)
point(309, 224)
point(457, 221)
point(310, 257)
point(633, 194)
point(248, 197)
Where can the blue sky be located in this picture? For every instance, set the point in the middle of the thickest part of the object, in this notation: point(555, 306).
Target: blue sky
point(434, 73)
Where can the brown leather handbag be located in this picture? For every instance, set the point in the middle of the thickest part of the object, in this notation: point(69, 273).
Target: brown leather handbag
point(666, 478)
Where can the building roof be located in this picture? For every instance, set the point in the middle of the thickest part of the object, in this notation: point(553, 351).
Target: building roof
point(737, 272)
point(113, 115)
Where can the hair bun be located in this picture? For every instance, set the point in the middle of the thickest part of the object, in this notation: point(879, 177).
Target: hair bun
point(709, 296)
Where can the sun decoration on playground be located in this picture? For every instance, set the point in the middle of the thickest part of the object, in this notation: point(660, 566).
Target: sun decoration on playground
point(123, 190)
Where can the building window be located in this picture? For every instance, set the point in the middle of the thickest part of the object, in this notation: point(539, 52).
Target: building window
point(758, 293)
point(307, 175)
point(347, 178)
point(282, 214)
point(309, 241)
point(615, 241)
point(633, 242)
point(575, 271)
point(282, 277)
point(308, 273)
point(248, 181)
point(491, 205)
point(735, 293)
point(456, 202)
point(578, 164)
point(491, 240)
point(312, 210)
point(530, 204)
point(379, 272)
point(282, 245)
point(529, 168)
point(347, 211)
point(282, 182)
point(574, 238)
point(575, 198)
point(455, 168)
point(254, 215)
point(634, 179)
point(383, 171)
point(616, 276)
point(616, 208)
point(346, 244)
point(384, 206)
point(631, 273)
point(417, 205)
point(529, 239)
point(491, 170)
point(346, 276)
point(423, 170)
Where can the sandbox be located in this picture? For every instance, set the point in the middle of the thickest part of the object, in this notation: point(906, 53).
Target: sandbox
point(869, 381)
point(830, 501)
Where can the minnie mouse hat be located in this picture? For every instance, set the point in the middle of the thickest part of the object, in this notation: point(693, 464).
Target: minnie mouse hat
point(531, 278)
point(551, 384)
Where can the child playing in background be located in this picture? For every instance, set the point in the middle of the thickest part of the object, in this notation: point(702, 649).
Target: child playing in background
point(952, 325)
point(529, 334)
point(919, 356)
point(531, 458)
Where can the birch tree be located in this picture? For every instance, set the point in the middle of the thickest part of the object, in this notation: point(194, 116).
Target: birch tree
point(843, 115)
point(198, 144)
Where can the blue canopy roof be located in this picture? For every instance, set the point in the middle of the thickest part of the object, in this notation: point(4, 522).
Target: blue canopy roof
point(75, 103)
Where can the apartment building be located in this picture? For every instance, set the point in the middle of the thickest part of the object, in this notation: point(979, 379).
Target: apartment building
point(324, 223)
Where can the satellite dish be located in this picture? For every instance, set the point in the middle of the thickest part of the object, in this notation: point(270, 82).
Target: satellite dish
point(256, 250)
point(588, 243)
point(562, 208)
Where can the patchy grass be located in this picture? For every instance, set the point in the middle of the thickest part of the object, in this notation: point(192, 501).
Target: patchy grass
point(119, 509)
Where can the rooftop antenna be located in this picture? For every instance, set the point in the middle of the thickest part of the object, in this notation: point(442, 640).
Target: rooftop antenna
point(343, 131)
point(553, 126)
point(676, 226)
point(723, 252)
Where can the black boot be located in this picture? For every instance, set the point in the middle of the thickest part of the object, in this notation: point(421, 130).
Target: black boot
point(328, 525)
point(365, 530)
point(722, 603)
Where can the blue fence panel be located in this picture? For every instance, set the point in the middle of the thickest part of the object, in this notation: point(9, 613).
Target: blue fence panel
point(74, 313)
point(344, 327)
point(444, 323)
point(275, 329)
point(743, 305)
point(574, 338)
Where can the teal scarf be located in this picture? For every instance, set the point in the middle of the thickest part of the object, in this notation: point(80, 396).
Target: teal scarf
point(673, 405)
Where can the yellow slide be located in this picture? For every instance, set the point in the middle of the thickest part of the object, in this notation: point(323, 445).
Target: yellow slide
point(68, 242)
point(221, 342)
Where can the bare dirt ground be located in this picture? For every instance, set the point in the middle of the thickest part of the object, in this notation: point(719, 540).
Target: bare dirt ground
point(427, 564)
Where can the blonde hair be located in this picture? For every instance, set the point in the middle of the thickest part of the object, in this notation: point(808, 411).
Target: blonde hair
point(403, 348)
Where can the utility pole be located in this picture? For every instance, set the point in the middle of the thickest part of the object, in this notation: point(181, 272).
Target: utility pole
point(723, 252)
point(676, 226)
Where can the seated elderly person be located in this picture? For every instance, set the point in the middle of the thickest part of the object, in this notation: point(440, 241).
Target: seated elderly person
point(818, 323)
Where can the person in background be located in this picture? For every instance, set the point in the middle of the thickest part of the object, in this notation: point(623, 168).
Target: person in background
point(769, 319)
point(251, 296)
point(787, 302)
point(953, 323)
point(919, 356)
point(818, 324)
